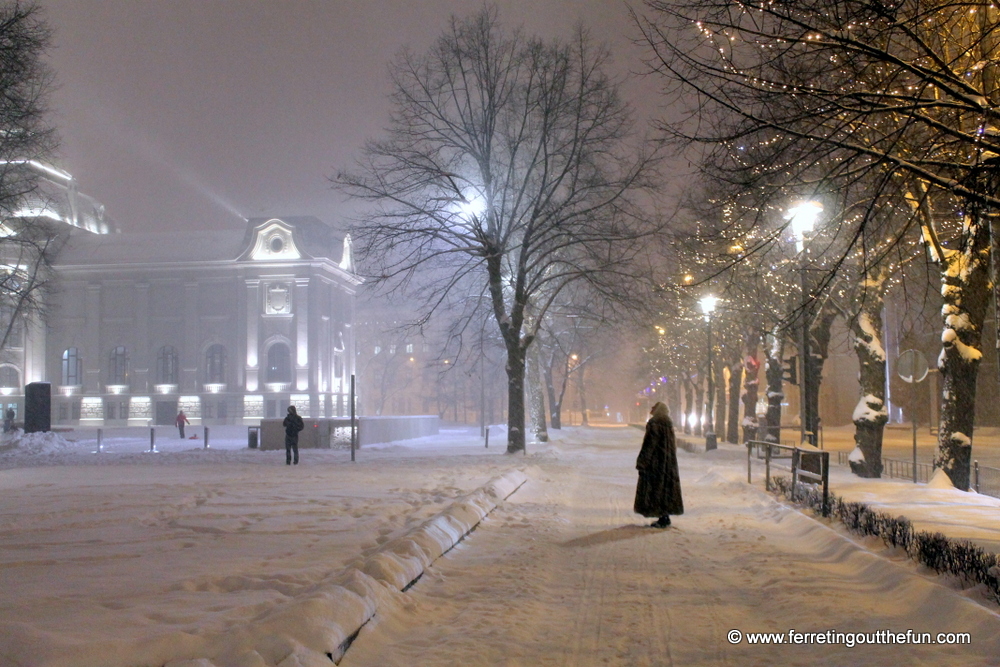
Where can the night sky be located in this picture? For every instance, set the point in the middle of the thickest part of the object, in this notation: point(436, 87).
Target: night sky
point(192, 114)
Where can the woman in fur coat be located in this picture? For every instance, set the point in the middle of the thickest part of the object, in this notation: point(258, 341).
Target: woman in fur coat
point(658, 493)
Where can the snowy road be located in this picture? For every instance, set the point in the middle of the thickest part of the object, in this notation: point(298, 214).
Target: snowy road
point(565, 574)
point(228, 558)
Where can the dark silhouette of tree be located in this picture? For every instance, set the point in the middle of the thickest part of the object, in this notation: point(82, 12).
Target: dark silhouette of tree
point(508, 162)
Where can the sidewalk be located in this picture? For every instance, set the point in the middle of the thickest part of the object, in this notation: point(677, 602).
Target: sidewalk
point(566, 574)
point(154, 555)
point(957, 514)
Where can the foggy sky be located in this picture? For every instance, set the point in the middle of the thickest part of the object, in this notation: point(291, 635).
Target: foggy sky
point(191, 114)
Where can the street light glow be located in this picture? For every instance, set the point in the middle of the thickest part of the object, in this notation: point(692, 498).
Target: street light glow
point(802, 218)
point(708, 304)
point(472, 206)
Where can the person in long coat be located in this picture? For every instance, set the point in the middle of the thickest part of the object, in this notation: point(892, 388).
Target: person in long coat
point(293, 424)
point(658, 493)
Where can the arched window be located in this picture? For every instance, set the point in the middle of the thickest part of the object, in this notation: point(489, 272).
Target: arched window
point(118, 366)
point(166, 365)
point(72, 368)
point(215, 364)
point(9, 377)
point(279, 363)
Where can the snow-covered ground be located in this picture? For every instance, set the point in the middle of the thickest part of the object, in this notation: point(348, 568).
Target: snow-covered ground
point(185, 556)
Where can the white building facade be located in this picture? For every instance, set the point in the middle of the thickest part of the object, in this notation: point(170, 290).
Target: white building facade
point(230, 327)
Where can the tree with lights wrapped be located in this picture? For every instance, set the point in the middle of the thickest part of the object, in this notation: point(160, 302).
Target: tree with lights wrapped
point(906, 90)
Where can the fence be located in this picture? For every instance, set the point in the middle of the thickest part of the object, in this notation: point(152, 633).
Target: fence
point(899, 468)
point(986, 480)
point(800, 459)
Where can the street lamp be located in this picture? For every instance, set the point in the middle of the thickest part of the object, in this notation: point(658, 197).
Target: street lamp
point(802, 218)
point(707, 307)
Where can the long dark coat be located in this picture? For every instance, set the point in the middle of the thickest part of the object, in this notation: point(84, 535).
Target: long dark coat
point(659, 490)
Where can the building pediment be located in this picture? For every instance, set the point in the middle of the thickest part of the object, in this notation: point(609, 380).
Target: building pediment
point(273, 240)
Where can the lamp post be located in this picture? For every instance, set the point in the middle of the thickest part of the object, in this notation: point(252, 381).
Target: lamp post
point(707, 306)
point(802, 218)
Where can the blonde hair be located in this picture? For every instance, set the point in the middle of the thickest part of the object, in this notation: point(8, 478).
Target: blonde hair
point(660, 410)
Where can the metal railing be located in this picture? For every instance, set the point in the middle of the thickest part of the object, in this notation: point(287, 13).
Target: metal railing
point(904, 470)
point(798, 456)
point(897, 468)
point(986, 480)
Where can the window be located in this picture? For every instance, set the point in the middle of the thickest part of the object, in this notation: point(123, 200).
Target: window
point(279, 363)
point(114, 409)
point(118, 366)
point(72, 368)
point(409, 348)
point(215, 364)
point(9, 377)
point(166, 365)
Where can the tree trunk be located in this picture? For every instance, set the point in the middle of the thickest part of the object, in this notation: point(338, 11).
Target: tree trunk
point(819, 350)
point(870, 416)
point(965, 289)
point(535, 396)
point(751, 384)
point(720, 399)
point(688, 404)
point(733, 421)
point(555, 405)
point(515, 399)
point(773, 372)
point(581, 390)
point(699, 405)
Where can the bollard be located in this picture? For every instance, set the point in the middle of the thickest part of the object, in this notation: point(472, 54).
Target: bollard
point(100, 440)
point(487, 437)
point(354, 420)
point(206, 437)
point(152, 439)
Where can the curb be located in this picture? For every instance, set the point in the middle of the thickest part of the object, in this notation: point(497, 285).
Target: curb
point(318, 627)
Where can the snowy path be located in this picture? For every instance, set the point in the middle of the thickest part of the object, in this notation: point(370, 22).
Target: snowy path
point(129, 559)
point(566, 574)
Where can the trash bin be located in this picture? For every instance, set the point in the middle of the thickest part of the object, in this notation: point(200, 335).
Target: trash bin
point(253, 436)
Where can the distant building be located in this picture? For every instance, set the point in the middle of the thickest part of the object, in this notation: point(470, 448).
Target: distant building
point(230, 326)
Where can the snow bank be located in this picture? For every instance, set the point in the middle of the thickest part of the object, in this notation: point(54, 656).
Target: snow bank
point(318, 627)
point(34, 443)
point(940, 480)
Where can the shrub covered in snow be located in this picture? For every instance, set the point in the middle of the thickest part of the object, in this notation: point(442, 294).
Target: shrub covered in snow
point(960, 558)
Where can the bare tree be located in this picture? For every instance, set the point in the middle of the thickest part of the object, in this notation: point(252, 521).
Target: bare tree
point(27, 241)
point(508, 161)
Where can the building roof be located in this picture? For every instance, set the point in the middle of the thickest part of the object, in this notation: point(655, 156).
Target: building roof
point(82, 249)
point(199, 246)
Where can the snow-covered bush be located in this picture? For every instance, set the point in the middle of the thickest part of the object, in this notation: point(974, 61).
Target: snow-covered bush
point(963, 559)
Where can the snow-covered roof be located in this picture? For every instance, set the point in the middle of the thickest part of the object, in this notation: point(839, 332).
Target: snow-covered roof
point(314, 237)
point(131, 248)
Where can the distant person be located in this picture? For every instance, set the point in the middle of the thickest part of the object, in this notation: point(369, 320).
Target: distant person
point(293, 424)
point(658, 493)
point(8, 420)
point(180, 421)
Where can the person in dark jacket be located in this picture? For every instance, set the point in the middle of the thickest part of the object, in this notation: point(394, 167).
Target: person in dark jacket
point(658, 492)
point(180, 422)
point(293, 424)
